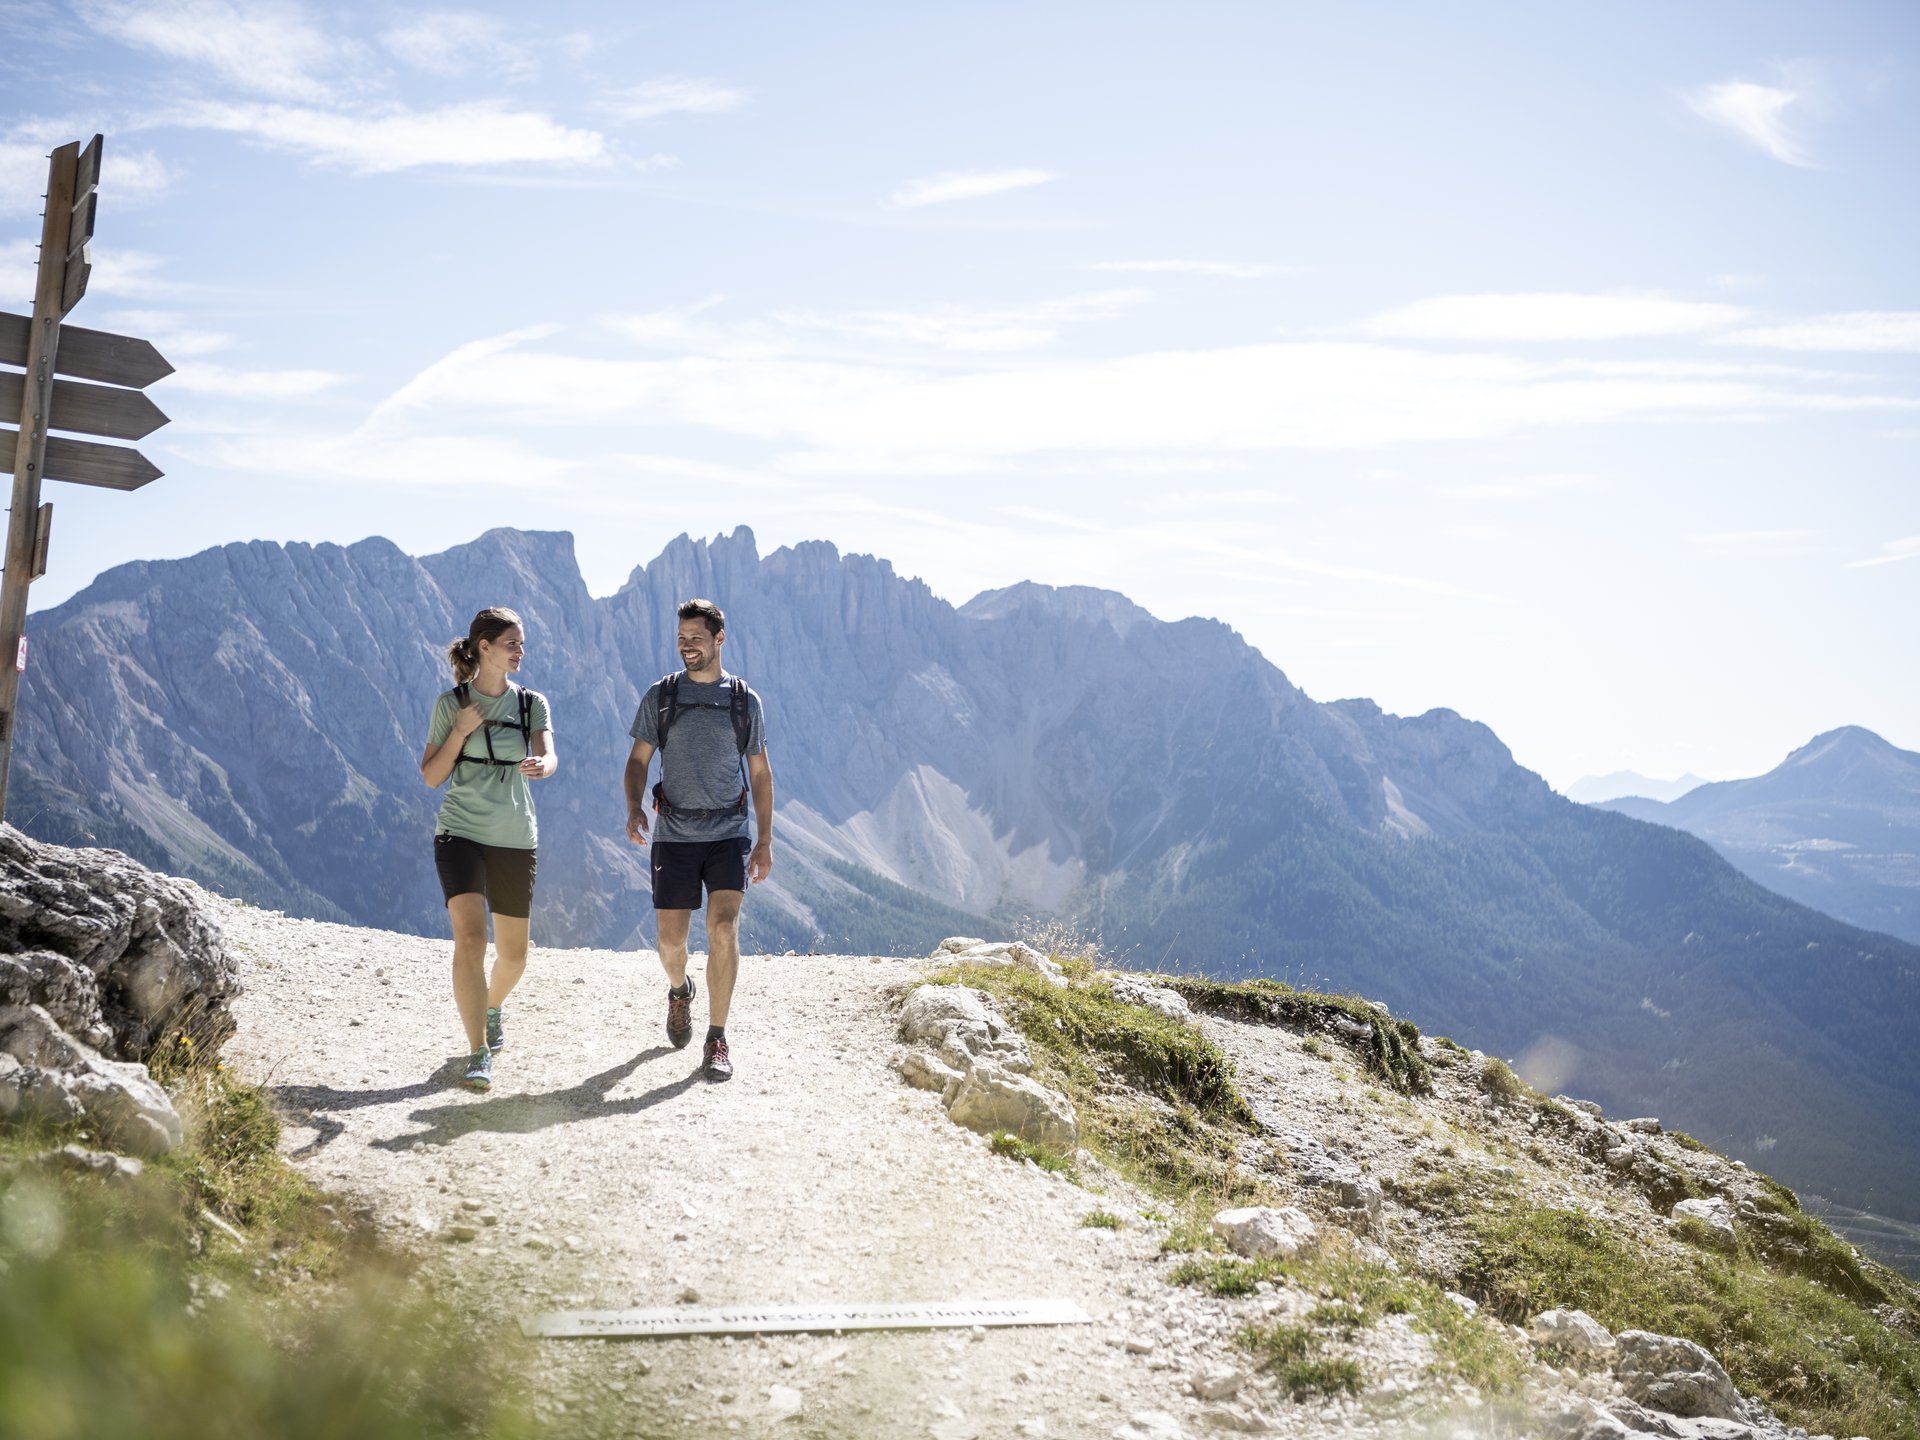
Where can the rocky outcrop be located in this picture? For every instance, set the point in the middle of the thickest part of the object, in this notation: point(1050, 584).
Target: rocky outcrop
point(101, 961)
point(1261, 1232)
point(960, 1045)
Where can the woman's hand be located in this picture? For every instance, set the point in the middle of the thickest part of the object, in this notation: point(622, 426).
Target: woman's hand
point(467, 719)
point(534, 767)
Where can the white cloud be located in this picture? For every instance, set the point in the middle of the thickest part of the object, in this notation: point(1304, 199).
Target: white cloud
point(978, 329)
point(876, 415)
point(267, 46)
point(1756, 113)
point(1892, 551)
point(1760, 542)
point(452, 42)
point(966, 185)
point(174, 333)
point(1220, 269)
point(229, 384)
point(127, 175)
point(1860, 330)
point(1550, 316)
point(17, 274)
point(480, 132)
point(670, 96)
point(129, 273)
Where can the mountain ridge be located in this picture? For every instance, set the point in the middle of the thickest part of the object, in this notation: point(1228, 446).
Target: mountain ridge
point(253, 716)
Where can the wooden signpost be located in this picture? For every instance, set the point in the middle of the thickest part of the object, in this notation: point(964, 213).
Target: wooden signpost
point(43, 350)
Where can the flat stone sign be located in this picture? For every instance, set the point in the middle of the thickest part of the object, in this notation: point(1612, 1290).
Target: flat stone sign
point(779, 1319)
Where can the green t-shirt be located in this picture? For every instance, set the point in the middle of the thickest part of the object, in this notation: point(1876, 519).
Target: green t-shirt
point(492, 804)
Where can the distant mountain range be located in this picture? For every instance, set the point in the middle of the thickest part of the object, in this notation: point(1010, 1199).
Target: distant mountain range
point(254, 715)
point(1836, 826)
point(1596, 789)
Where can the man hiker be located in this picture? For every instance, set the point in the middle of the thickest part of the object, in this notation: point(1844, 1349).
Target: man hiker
point(707, 726)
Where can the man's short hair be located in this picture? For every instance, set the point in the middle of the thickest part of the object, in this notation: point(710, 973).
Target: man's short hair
point(704, 610)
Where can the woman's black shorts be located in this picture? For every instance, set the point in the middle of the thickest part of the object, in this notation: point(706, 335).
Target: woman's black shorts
point(681, 867)
point(503, 876)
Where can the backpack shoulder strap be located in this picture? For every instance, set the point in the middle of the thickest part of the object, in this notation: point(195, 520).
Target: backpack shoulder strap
point(666, 707)
point(738, 712)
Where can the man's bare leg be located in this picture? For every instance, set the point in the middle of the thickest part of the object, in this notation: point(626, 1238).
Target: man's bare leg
point(723, 952)
point(673, 926)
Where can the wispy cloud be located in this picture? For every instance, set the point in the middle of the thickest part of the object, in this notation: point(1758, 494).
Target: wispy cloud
point(1761, 542)
point(873, 415)
point(1860, 330)
point(1524, 487)
point(1756, 113)
point(966, 185)
point(970, 328)
point(129, 273)
point(1549, 316)
point(1890, 553)
point(231, 384)
point(671, 96)
point(481, 132)
point(454, 42)
point(270, 47)
point(1219, 269)
point(173, 332)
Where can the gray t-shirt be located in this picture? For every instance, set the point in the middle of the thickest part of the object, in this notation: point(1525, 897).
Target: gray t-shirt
point(701, 766)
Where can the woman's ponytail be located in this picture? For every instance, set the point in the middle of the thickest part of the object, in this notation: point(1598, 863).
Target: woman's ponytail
point(464, 659)
point(464, 654)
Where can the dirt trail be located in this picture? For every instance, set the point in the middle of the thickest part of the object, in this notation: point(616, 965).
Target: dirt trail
point(603, 1172)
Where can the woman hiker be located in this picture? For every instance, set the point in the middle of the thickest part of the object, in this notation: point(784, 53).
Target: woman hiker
point(491, 737)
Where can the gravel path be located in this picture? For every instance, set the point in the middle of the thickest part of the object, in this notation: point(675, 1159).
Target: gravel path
point(603, 1172)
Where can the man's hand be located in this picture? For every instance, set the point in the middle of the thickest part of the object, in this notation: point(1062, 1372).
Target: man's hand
point(637, 826)
point(760, 862)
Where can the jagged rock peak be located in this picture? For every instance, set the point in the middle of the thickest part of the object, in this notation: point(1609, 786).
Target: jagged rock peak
point(1074, 602)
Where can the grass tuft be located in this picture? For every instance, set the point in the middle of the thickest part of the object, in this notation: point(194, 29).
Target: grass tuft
point(1101, 1220)
point(1014, 1148)
point(1812, 1352)
point(1390, 1047)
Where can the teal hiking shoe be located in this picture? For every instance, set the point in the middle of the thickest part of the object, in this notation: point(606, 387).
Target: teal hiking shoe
point(479, 1074)
point(496, 1034)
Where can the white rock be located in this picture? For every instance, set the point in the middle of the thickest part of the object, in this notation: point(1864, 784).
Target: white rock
point(1573, 1331)
point(991, 1098)
point(1712, 1213)
point(1644, 1125)
point(1220, 1382)
point(783, 1402)
point(1664, 1372)
point(1467, 1303)
point(1261, 1230)
point(924, 1071)
point(1131, 990)
point(956, 944)
point(1150, 1425)
point(1242, 1418)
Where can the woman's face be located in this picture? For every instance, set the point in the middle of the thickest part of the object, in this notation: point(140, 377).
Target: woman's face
point(506, 649)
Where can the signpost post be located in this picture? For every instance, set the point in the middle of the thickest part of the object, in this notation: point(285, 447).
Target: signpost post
point(44, 349)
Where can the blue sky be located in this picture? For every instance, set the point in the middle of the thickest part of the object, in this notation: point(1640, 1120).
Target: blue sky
point(1557, 365)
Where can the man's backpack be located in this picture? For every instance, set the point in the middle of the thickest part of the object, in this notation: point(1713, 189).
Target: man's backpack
point(463, 693)
point(667, 710)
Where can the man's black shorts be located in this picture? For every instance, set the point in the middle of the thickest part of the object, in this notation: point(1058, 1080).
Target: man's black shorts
point(681, 867)
point(503, 876)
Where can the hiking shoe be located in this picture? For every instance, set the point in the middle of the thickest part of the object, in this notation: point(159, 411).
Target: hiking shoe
point(479, 1074)
point(680, 1016)
point(496, 1033)
point(714, 1061)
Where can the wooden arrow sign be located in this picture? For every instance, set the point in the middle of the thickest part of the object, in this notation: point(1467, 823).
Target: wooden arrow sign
point(81, 462)
point(89, 409)
point(87, 354)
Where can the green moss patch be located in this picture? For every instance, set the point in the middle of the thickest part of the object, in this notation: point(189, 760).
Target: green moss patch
point(1819, 1358)
point(1156, 1099)
point(1390, 1047)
